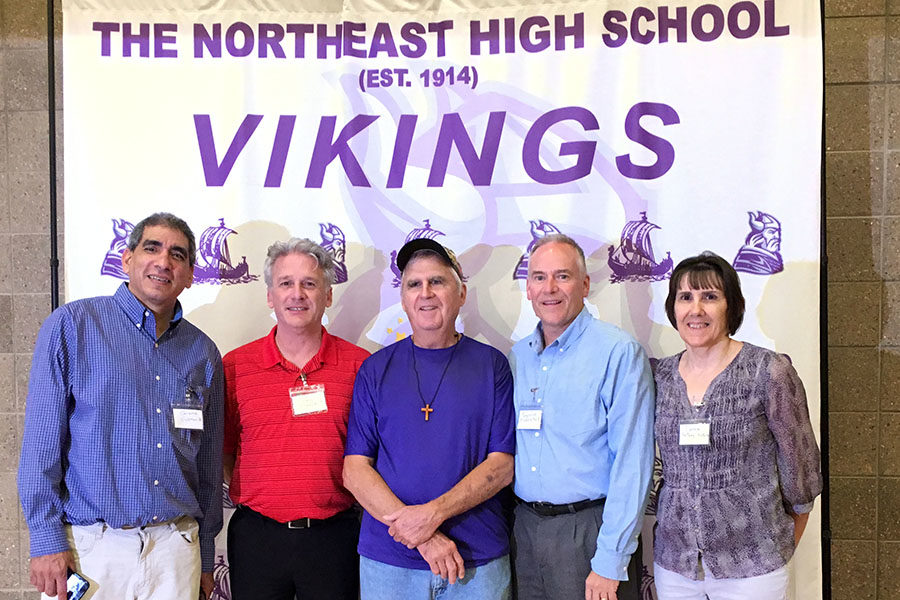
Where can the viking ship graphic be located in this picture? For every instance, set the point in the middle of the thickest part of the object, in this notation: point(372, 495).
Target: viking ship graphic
point(222, 587)
point(214, 259)
point(539, 229)
point(420, 232)
point(633, 259)
point(334, 242)
point(112, 262)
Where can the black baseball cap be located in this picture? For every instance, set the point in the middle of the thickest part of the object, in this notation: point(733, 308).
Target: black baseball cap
point(413, 246)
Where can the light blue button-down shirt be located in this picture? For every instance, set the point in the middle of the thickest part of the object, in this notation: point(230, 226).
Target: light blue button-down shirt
point(595, 389)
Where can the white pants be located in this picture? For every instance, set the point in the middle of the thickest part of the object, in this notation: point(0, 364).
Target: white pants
point(769, 586)
point(161, 562)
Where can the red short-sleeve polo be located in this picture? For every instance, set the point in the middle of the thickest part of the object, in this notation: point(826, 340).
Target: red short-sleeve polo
point(288, 467)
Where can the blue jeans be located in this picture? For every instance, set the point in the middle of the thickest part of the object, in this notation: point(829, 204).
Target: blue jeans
point(380, 581)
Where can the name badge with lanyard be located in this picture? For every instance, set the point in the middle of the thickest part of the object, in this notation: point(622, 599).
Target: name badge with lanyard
point(308, 399)
point(188, 413)
point(530, 414)
point(694, 430)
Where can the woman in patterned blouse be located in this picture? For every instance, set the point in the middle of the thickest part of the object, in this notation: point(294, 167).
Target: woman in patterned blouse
point(740, 462)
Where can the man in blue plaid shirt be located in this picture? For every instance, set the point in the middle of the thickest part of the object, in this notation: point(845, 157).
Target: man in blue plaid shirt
point(121, 468)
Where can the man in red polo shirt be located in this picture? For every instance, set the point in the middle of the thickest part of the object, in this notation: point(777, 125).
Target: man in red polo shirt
point(294, 532)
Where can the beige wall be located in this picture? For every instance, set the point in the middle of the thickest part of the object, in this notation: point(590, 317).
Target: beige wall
point(863, 187)
point(862, 70)
point(24, 253)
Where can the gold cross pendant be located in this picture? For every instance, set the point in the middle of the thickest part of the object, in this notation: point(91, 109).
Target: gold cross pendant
point(427, 410)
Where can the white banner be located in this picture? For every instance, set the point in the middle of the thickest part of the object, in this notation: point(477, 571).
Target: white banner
point(648, 132)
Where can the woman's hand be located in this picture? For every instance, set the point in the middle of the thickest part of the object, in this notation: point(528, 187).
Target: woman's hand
point(799, 525)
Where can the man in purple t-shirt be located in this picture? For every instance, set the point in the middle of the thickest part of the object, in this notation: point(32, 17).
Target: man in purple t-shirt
point(430, 445)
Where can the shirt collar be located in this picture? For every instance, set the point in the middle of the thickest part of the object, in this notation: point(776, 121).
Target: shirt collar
point(272, 356)
point(139, 314)
point(568, 337)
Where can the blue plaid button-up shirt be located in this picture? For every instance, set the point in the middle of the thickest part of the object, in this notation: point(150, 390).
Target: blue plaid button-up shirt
point(100, 444)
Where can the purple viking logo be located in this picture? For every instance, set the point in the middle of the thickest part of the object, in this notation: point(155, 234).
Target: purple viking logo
point(539, 229)
point(632, 259)
point(222, 587)
point(761, 252)
point(419, 232)
point(334, 242)
point(112, 262)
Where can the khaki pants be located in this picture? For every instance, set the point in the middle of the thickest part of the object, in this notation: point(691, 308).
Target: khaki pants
point(160, 562)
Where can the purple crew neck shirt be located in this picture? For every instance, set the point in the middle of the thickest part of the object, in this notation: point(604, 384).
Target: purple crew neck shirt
point(419, 460)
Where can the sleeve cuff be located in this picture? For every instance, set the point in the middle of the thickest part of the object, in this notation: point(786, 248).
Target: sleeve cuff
point(802, 509)
point(207, 553)
point(48, 540)
point(611, 566)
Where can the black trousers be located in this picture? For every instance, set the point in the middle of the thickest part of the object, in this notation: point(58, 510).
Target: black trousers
point(268, 561)
point(552, 555)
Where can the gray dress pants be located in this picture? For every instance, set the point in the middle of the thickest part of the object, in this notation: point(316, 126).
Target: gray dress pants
point(552, 555)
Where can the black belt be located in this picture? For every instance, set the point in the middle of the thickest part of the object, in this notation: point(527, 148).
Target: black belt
point(546, 509)
point(304, 523)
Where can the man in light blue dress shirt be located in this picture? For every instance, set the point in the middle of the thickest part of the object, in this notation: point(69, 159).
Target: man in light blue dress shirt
point(121, 468)
point(584, 442)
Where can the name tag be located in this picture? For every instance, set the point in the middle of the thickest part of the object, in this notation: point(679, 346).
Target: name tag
point(308, 400)
point(529, 418)
point(188, 418)
point(693, 434)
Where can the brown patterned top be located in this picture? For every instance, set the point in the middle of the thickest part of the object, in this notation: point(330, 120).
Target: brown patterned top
point(728, 500)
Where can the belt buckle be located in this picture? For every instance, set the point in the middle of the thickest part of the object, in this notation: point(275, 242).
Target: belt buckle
point(299, 523)
point(541, 508)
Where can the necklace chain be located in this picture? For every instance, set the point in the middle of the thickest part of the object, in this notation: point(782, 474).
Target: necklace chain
point(426, 406)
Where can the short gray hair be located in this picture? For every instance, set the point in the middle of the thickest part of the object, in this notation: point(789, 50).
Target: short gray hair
point(164, 219)
point(559, 238)
point(299, 246)
point(426, 253)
